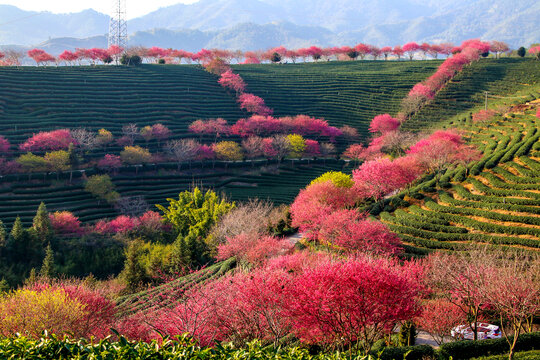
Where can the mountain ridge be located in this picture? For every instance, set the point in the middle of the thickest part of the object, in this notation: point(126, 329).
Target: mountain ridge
point(342, 22)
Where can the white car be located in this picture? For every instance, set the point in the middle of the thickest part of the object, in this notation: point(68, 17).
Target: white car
point(485, 331)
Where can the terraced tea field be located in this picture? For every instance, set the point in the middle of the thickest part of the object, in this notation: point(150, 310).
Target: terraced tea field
point(154, 298)
point(46, 98)
point(344, 93)
point(36, 99)
point(507, 81)
point(277, 184)
point(498, 202)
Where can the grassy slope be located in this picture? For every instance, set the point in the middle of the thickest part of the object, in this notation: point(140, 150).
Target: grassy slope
point(34, 99)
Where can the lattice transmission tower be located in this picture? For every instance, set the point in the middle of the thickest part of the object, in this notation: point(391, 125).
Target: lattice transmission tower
point(118, 24)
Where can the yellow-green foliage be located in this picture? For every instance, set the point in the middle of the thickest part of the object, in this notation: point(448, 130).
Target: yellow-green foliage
point(102, 187)
point(57, 160)
point(30, 312)
point(31, 162)
point(195, 212)
point(298, 145)
point(228, 150)
point(135, 155)
point(337, 178)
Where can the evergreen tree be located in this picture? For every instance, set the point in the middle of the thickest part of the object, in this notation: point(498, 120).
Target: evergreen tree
point(521, 51)
point(32, 278)
point(47, 269)
point(74, 160)
point(3, 236)
point(17, 231)
point(134, 273)
point(42, 224)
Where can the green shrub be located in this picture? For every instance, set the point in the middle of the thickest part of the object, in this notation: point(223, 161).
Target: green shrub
point(464, 350)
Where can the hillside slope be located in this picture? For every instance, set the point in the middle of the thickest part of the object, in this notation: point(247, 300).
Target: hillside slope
point(45, 98)
point(495, 201)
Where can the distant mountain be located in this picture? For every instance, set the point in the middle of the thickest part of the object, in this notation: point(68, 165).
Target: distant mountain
point(246, 36)
point(30, 27)
point(258, 24)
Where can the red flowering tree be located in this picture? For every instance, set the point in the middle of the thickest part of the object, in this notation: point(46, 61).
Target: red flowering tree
point(253, 248)
point(316, 202)
point(312, 148)
point(535, 51)
point(380, 177)
point(215, 127)
point(483, 115)
point(355, 152)
point(68, 56)
point(121, 224)
point(40, 56)
point(513, 291)
point(254, 104)
point(439, 317)
point(160, 132)
point(205, 152)
point(386, 50)
point(355, 302)
point(481, 47)
point(383, 124)
point(442, 149)
point(65, 223)
point(498, 47)
point(110, 162)
point(411, 48)
point(353, 232)
point(251, 57)
point(398, 51)
point(51, 140)
point(4, 145)
point(232, 81)
point(257, 125)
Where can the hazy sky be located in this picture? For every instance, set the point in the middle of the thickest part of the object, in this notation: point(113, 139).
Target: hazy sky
point(134, 7)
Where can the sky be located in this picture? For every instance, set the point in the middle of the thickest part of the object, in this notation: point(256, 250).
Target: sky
point(135, 8)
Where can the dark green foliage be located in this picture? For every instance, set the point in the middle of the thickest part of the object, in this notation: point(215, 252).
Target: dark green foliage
point(3, 236)
point(161, 61)
point(74, 160)
point(275, 58)
point(134, 273)
point(526, 355)
point(101, 256)
point(42, 224)
point(418, 352)
point(134, 60)
point(47, 268)
point(407, 334)
point(180, 348)
point(353, 54)
point(521, 51)
point(464, 350)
